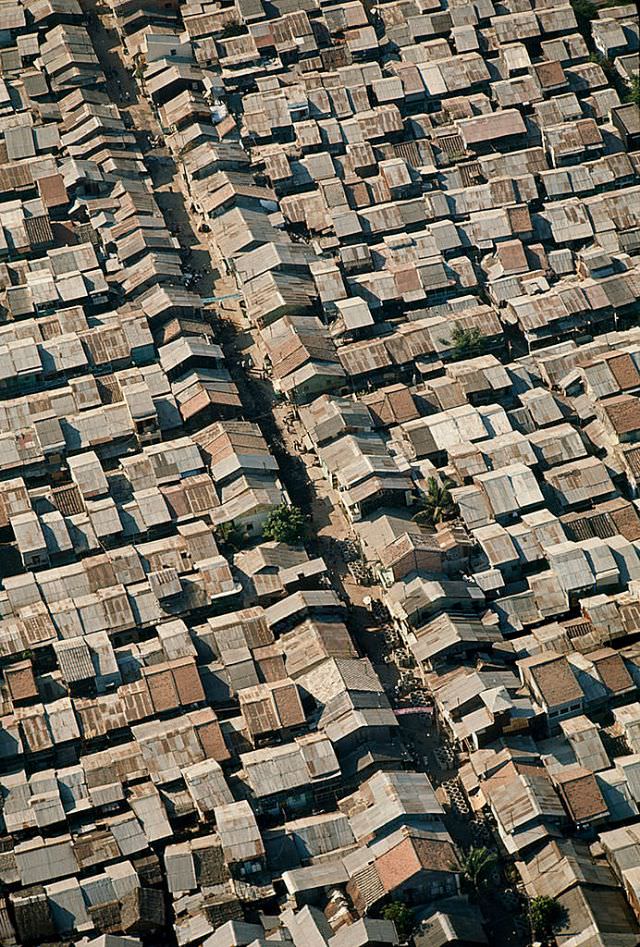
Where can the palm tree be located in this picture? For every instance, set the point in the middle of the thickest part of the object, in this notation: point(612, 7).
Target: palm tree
point(477, 866)
point(437, 503)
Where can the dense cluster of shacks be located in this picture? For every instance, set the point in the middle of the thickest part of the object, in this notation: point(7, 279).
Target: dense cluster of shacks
point(433, 219)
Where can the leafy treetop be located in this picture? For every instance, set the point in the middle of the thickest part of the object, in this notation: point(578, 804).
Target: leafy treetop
point(285, 524)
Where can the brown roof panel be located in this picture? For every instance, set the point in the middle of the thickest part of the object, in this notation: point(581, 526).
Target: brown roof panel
point(288, 704)
point(624, 370)
point(38, 230)
point(210, 734)
point(52, 191)
point(162, 688)
point(136, 700)
point(555, 680)
point(414, 855)
point(258, 710)
point(581, 794)
point(611, 670)
point(187, 681)
point(68, 499)
point(270, 661)
point(21, 682)
point(623, 412)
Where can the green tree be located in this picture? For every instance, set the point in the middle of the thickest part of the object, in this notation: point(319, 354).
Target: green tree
point(285, 524)
point(545, 913)
point(584, 9)
point(607, 67)
point(228, 534)
point(140, 64)
point(477, 867)
point(467, 343)
point(233, 27)
point(402, 917)
point(437, 504)
point(634, 94)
